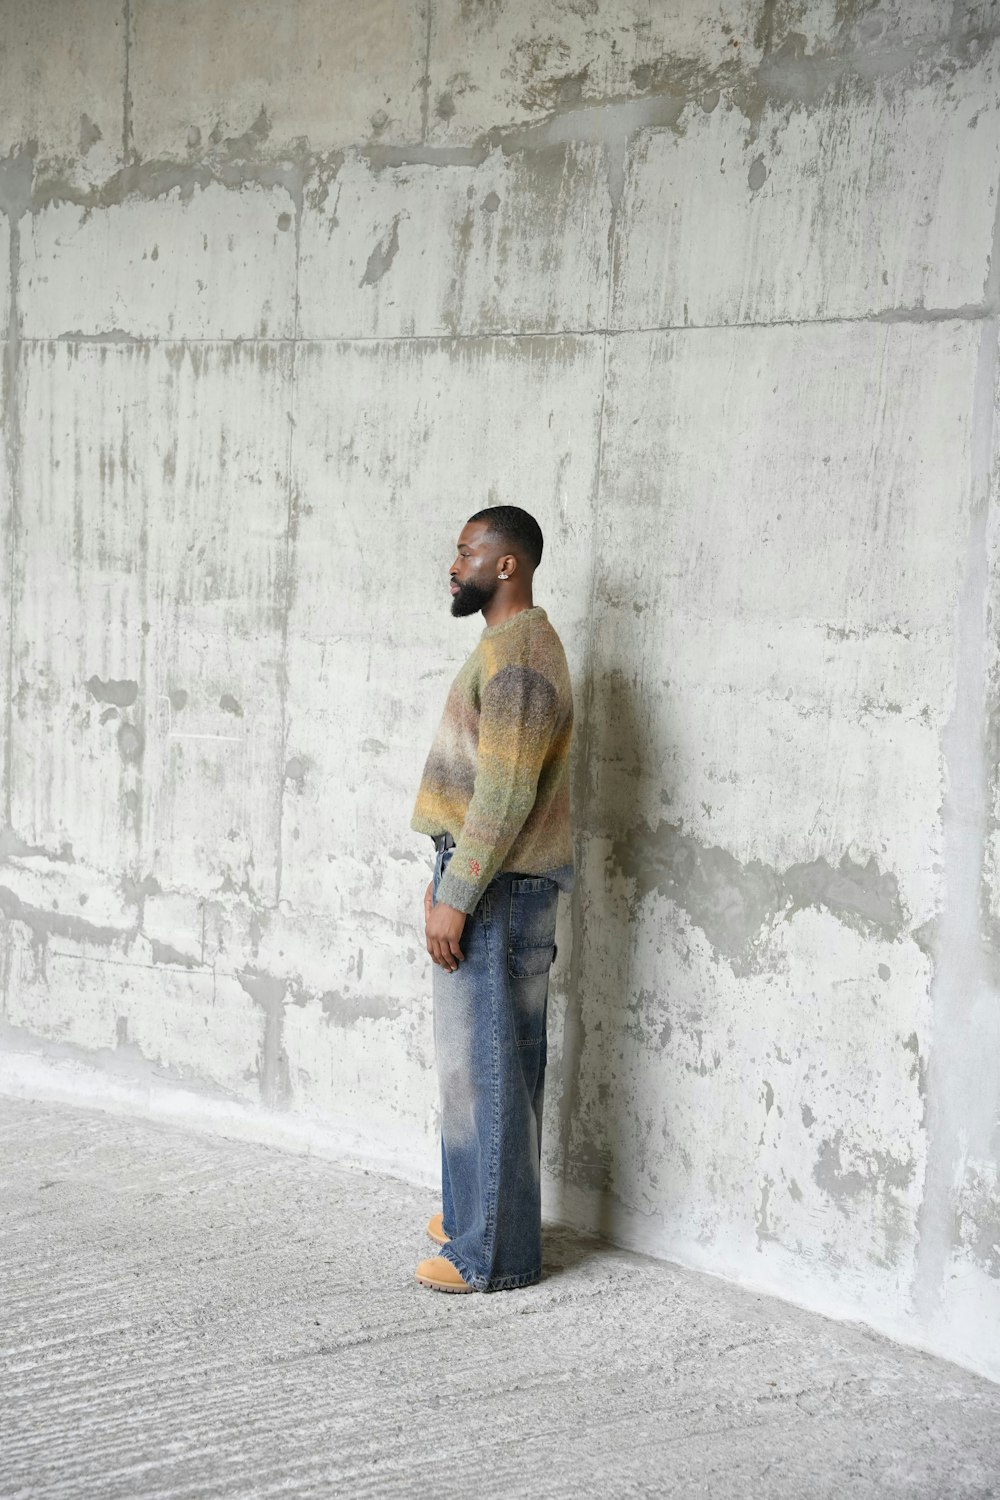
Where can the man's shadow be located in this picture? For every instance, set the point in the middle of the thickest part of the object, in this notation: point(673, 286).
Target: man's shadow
point(585, 1139)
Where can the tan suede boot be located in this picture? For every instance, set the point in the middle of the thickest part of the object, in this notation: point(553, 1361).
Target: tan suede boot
point(441, 1276)
point(435, 1229)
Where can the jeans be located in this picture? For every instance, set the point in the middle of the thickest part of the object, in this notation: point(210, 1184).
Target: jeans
point(490, 1045)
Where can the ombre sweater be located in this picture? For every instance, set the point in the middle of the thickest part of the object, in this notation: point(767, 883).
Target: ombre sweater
point(497, 776)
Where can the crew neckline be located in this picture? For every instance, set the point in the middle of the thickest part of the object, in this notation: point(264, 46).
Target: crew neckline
point(535, 611)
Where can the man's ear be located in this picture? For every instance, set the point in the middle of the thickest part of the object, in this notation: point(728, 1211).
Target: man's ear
point(508, 565)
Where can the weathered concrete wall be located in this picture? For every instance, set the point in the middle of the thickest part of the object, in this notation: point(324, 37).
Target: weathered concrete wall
point(288, 291)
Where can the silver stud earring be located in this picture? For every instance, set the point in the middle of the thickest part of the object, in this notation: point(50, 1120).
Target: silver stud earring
point(503, 575)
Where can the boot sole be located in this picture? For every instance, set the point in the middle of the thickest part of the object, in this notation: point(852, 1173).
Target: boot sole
point(439, 1286)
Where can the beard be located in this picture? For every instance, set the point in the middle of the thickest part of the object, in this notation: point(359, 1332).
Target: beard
point(471, 597)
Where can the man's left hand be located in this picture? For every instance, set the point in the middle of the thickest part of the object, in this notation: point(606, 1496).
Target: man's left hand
point(444, 928)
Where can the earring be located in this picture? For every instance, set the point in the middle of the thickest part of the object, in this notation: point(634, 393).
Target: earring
point(503, 575)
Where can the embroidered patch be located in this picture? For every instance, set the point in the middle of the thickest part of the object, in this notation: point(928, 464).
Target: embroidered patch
point(474, 866)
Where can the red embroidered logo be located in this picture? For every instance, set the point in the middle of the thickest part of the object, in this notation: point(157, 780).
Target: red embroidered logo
point(474, 866)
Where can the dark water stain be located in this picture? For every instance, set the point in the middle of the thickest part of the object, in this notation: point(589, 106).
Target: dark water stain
point(757, 175)
point(122, 694)
point(976, 1226)
point(134, 892)
point(880, 1171)
point(130, 743)
point(382, 256)
point(90, 134)
point(295, 772)
point(163, 953)
point(346, 1010)
point(268, 993)
point(44, 924)
point(734, 903)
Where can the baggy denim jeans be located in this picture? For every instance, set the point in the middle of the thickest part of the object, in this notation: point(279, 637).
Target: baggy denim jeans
point(490, 1044)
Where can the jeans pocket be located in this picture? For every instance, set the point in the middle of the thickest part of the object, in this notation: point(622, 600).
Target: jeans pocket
point(534, 901)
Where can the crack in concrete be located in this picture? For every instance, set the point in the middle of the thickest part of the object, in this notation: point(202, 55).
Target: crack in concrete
point(908, 316)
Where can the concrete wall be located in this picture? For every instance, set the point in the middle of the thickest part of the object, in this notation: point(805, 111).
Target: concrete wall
point(289, 290)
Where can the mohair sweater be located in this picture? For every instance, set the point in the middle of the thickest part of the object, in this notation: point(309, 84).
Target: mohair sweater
point(497, 776)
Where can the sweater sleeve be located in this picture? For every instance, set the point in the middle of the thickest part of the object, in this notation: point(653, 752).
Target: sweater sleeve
point(518, 713)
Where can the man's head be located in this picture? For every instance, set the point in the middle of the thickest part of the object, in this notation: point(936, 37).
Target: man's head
point(498, 548)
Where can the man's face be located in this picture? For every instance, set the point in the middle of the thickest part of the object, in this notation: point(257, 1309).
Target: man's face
point(474, 572)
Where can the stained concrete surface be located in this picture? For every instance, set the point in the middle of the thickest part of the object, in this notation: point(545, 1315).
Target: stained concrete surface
point(188, 1315)
point(286, 292)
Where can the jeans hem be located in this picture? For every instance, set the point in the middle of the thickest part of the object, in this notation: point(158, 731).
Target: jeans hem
point(485, 1283)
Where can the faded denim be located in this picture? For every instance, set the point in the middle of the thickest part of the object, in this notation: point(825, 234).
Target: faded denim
point(491, 1046)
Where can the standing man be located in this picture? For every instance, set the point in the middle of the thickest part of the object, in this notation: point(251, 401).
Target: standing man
point(495, 799)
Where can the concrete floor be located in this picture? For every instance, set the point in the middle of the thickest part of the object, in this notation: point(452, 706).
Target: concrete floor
point(184, 1315)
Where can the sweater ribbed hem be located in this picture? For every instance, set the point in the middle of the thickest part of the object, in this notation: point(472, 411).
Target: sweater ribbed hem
point(462, 895)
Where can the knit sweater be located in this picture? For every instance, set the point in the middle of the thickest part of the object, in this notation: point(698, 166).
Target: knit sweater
point(497, 776)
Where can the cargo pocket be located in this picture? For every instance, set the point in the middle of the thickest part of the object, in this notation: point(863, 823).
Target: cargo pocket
point(531, 947)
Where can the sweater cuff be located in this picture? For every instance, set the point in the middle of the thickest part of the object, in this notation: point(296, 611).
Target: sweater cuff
point(452, 890)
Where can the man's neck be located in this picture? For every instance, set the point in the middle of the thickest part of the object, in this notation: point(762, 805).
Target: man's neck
point(496, 613)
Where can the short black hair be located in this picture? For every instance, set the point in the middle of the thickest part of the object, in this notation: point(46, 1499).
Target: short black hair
point(509, 523)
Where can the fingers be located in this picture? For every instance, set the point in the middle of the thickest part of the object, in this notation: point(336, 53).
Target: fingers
point(442, 932)
point(441, 954)
point(445, 952)
point(448, 951)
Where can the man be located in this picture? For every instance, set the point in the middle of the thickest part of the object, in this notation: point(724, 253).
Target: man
point(495, 799)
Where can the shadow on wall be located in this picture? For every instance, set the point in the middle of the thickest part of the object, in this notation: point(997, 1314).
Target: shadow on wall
point(616, 759)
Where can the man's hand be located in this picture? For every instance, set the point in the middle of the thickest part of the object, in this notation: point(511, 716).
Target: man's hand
point(443, 928)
